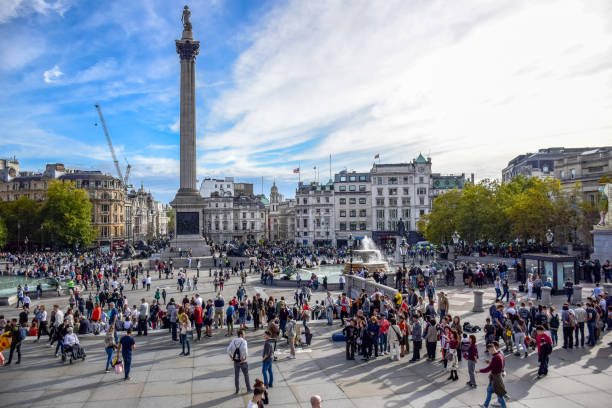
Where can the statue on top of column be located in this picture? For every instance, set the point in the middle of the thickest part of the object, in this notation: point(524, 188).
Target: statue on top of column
point(185, 19)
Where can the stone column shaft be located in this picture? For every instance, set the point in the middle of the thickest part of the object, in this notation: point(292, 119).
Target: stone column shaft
point(188, 126)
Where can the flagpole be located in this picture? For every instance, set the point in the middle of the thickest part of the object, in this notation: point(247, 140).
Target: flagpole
point(299, 172)
point(330, 167)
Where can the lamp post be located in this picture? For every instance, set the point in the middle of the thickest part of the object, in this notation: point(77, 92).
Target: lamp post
point(455, 238)
point(350, 244)
point(42, 227)
point(549, 237)
point(18, 237)
point(403, 249)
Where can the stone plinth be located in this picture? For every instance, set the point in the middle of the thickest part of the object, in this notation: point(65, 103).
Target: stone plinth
point(607, 287)
point(577, 297)
point(602, 243)
point(546, 296)
point(478, 301)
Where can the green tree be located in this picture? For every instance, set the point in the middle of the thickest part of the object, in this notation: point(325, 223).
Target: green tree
point(171, 214)
point(67, 214)
point(440, 224)
point(22, 219)
point(2, 233)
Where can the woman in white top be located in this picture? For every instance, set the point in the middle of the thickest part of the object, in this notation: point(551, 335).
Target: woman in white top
point(529, 287)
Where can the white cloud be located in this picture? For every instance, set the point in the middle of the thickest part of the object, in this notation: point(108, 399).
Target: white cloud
point(98, 72)
point(52, 75)
point(473, 82)
point(175, 126)
point(19, 8)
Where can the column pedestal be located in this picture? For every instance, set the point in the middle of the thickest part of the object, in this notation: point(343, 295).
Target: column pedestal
point(577, 297)
point(546, 297)
point(478, 301)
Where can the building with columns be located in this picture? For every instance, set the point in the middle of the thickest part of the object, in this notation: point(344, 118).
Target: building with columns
point(146, 219)
point(281, 217)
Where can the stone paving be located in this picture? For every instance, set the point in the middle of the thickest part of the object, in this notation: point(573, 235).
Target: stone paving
point(160, 378)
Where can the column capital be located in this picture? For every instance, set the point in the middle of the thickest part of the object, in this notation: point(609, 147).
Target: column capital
point(187, 49)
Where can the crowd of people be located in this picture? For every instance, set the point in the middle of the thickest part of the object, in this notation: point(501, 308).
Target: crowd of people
point(373, 325)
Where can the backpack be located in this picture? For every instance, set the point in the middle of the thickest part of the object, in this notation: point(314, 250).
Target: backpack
point(236, 356)
point(545, 349)
point(572, 320)
point(554, 321)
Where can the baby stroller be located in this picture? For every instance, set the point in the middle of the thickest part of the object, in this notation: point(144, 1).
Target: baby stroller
point(75, 352)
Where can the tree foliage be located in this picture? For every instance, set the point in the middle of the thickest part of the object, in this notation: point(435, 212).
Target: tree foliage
point(524, 208)
point(22, 219)
point(67, 214)
point(2, 232)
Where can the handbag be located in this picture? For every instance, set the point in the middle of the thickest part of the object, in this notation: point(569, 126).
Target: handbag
point(190, 335)
point(119, 367)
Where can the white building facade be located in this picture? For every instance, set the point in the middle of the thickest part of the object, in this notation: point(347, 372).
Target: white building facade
point(352, 206)
point(314, 214)
point(400, 191)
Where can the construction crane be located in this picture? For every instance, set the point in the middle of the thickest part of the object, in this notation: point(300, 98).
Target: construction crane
point(112, 150)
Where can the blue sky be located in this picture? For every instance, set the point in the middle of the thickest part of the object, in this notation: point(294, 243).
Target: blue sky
point(471, 83)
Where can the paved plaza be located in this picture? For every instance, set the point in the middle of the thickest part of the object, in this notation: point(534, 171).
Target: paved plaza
point(161, 378)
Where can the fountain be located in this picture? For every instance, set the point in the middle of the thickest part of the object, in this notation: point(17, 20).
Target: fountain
point(369, 257)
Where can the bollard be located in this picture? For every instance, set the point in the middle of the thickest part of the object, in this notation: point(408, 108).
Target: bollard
point(546, 298)
point(478, 301)
point(577, 296)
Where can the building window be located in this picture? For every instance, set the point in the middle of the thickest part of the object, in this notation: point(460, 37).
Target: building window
point(327, 211)
point(380, 191)
point(406, 191)
point(406, 201)
point(252, 215)
point(380, 213)
point(362, 213)
point(362, 187)
point(318, 200)
point(392, 191)
point(343, 226)
point(353, 226)
point(380, 226)
point(305, 222)
point(392, 225)
point(343, 213)
point(342, 188)
point(380, 201)
point(104, 207)
point(327, 199)
point(352, 201)
point(392, 180)
point(572, 173)
point(362, 226)
point(362, 178)
point(244, 226)
point(252, 225)
point(342, 201)
point(393, 213)
point(342, 178)
point(380, 181)
point(353, 213)
point(405, 179)
point(392, 202)
point(406, 212)
point(352, 187)
point(352, 178)
point(421, 191)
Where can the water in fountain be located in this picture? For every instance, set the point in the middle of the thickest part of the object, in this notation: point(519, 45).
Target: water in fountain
point(370, 255)
point(368, 244)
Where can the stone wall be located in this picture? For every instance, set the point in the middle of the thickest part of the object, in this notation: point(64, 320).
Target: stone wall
point(354, 284)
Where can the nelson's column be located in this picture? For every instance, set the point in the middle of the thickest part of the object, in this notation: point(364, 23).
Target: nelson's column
point(188, 203)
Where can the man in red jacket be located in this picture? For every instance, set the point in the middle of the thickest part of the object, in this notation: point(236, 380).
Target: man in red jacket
point(495, 368)
point(544, 343)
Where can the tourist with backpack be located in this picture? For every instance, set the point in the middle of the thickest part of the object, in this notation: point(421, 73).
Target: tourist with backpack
point(544, 344)
point(569, 323)
point(238, 353)
point(554, 325)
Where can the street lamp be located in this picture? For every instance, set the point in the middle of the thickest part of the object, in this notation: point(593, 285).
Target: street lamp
point(549, 237)
point(351, 241)
point(403, 249)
